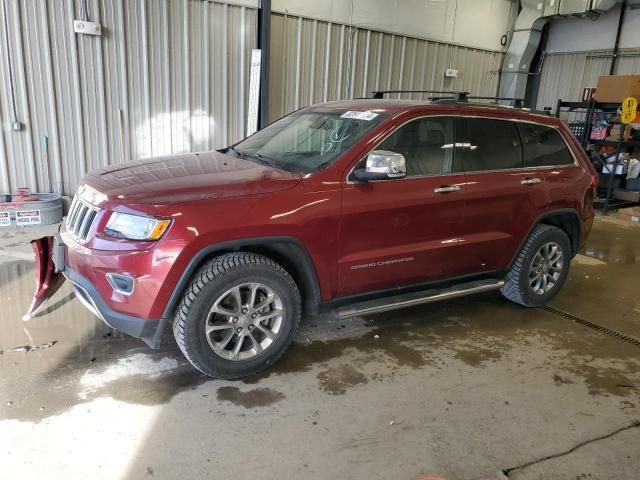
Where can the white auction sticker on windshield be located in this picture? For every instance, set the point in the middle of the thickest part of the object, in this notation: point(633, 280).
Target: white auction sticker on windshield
point(368, 116)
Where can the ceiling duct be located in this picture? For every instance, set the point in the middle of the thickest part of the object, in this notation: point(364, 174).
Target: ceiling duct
point(522, 48)
point(526, 37)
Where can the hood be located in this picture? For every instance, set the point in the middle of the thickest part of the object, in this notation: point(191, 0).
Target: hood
point(186, 178)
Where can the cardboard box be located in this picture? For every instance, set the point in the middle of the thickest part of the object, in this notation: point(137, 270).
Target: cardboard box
point(615, 88)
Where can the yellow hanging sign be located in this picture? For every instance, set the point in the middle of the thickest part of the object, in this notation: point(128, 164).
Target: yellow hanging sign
point(629, 110)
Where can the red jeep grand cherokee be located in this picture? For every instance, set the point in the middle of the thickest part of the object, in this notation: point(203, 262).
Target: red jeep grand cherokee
point(349, 207)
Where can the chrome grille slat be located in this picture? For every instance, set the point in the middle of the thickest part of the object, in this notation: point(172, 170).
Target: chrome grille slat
point(74, 212)
point(72, 208)
point(81, 215)
point(80, 219)
point(86, 225)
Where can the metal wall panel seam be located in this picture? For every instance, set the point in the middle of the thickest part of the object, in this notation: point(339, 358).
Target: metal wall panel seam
point(379, 59)
point(401, 69)
point(123, 110)
point(365, 75)
point(340, 62)
point(28, 155)
point(81, 165)
point(242, 124)
point(32, 71)
point(225, 87)
point(327, 60)
point(206, 75)
point(54, 140)
point(296, 97)
point(312, 73)
point(390, 64)
point(351, 65)
point(412, 68)
point(101, 101)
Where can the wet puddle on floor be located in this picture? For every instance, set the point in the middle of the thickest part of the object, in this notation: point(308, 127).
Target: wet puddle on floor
point(80, 359)
point(257, 397)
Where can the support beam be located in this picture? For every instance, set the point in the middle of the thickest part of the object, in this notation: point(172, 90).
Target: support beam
point(264, 36)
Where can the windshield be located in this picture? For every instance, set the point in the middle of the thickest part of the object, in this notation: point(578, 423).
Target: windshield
point(307, 140)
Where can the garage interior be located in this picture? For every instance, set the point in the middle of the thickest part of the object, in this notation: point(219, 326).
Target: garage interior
point(471, 388)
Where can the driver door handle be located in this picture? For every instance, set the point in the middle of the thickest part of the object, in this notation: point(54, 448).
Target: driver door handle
point(530, 181)
point(447, 189)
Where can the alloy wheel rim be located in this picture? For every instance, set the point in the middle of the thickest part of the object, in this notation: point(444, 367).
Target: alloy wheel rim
point(546, 268)
point(244, 321)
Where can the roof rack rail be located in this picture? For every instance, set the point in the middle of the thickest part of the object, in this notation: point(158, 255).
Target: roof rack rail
point(517, 102)
point(459, 96)
point(449, 96)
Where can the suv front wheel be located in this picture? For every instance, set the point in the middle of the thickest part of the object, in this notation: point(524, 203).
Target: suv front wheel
point(540, 268)
point(237, 316)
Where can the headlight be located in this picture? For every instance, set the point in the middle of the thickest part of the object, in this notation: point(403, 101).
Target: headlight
point(135, 227)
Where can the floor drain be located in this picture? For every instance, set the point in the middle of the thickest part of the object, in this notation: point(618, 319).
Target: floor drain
point(599, 328)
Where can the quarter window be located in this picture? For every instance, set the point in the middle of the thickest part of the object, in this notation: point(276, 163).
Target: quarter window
point(427, 146)
point(488, 144)
point(544, 146)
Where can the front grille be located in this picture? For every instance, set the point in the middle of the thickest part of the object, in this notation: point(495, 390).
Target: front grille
point(80, 218)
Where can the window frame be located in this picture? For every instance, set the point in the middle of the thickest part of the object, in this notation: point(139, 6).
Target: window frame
point(420, 117)
point(522, 132)
point(524, 168)
point(454, 116)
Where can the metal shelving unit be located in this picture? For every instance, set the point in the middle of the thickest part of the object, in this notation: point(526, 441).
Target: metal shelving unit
point(582, 123)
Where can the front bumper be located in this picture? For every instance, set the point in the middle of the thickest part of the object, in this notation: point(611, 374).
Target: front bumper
point(148, 330)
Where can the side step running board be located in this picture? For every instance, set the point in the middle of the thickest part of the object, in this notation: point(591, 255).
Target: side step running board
point(417, 298)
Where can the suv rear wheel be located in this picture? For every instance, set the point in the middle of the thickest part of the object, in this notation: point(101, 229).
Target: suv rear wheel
point(541, 267)
point(238, 315)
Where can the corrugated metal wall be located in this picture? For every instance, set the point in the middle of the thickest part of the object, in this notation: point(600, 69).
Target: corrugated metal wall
point(166, 76)
point(314, 61)
point(170, 76)
point(564, 75)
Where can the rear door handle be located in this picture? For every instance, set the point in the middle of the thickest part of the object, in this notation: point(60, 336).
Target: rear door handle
point(447, 189)
point(530, 181)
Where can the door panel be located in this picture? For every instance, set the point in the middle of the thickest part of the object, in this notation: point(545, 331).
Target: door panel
point(402, 231)
point(503, 198)
point(500, 211)
point(399, 232)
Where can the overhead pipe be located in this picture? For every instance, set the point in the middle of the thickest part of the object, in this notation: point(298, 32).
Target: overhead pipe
point(526, 40)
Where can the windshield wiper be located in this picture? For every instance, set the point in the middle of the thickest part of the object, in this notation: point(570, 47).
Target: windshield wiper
point(233, 149)
point(255, 156)
point(260, 158)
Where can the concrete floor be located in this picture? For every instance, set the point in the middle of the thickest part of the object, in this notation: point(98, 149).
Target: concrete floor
point(469, 389)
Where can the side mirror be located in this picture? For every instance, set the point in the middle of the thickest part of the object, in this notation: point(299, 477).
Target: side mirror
point(382, 165)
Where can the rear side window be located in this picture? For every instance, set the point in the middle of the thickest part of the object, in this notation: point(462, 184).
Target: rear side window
point(488, 144)
point(544, 146)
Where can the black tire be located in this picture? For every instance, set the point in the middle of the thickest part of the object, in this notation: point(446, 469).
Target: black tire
point(208, 284)
point(517, 287)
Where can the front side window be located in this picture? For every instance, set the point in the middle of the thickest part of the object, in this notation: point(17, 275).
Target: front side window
point(309, 139)
point(488, 144)
point(427, 146)
point(543, 146)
